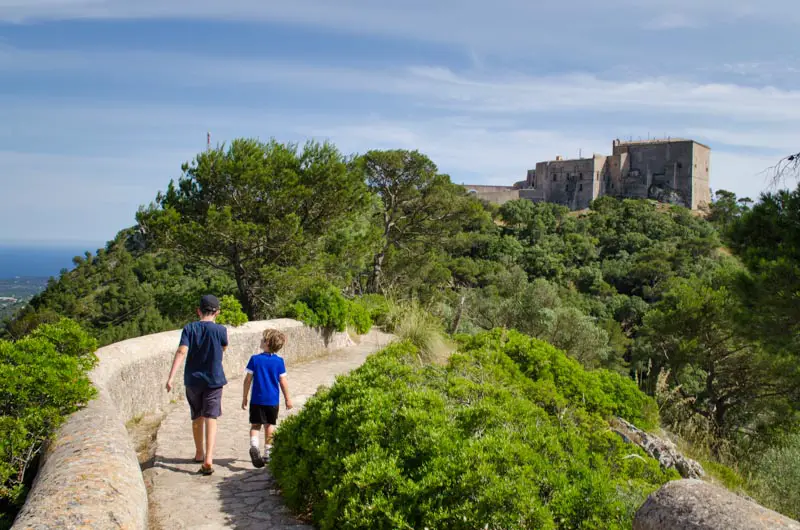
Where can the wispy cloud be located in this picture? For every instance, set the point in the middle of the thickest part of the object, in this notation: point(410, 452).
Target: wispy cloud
point(433, 86)
point(675, 21)
point(457, 21)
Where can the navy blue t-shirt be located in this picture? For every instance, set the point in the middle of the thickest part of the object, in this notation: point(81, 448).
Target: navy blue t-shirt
point(267, 369)
point(204, 361)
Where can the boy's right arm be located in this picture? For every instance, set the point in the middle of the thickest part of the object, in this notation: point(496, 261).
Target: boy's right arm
point(180, 354)
point(248, 379)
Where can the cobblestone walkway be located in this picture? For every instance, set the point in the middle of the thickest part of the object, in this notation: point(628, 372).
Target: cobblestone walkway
point(237, 495)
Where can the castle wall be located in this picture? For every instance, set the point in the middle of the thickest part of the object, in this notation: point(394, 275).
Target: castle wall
point(571, 183)
point(670, 171)
point(493, 194)
point(658, 170)
point(701, 181)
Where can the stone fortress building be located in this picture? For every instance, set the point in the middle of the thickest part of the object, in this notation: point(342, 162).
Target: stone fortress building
point(671, 170)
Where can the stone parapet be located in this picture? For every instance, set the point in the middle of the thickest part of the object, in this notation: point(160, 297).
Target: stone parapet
point(90, 477)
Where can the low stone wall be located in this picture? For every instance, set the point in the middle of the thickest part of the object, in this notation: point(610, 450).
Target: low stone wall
point(697, 505)
point(90, 476)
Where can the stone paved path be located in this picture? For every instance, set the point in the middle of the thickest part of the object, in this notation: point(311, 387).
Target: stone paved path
point(237, 495)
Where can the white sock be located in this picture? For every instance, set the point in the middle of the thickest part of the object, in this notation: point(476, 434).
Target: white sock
point(254, 441)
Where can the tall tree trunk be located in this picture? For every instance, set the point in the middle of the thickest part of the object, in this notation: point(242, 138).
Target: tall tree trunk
point(459, 313)
point(376, 276)
point(246, 294)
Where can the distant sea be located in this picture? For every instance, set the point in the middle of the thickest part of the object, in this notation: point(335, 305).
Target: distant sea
point(38, 261)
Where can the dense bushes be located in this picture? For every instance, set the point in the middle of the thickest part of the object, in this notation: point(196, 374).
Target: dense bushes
point(598, 391)
point(231, 312)
point(43, 380)
point(324, 306)
point(511, 434)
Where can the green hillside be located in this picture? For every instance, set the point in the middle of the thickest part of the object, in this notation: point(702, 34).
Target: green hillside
point(701, 314)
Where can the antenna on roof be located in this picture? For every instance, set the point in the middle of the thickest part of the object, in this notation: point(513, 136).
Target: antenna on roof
point(208, 141)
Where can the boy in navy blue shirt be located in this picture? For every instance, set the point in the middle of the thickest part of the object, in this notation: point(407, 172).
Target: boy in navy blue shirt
point(267, 373)
point(202, 345)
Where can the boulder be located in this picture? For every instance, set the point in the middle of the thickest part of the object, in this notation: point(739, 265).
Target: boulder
point(697, 505)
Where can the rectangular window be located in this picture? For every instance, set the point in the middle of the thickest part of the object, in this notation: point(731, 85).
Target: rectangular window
point(554, 177)
point(580, 188)
point(580, 176)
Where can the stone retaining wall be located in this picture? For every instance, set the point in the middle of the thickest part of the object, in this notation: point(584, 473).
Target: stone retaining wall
point(90, 476)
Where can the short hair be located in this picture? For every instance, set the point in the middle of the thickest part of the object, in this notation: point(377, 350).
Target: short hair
point(274, 339)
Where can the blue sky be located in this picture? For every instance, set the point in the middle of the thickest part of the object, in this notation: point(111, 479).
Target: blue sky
point(102, 100)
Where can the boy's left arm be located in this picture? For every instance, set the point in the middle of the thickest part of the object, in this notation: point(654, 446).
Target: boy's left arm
point(285, 390)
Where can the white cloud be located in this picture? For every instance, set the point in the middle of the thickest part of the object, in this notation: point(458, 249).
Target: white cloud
point(675, 21)
point(490, 92)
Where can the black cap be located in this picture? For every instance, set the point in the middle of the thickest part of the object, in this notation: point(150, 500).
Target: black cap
point(209, 303)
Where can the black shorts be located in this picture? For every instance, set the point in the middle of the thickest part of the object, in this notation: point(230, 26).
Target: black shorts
point(204, 402)
point(263, 414)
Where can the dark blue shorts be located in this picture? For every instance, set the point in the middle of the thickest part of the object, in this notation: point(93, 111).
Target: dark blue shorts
point(204, 402)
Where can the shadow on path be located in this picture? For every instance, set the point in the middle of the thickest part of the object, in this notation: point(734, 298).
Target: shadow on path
point(251, 499)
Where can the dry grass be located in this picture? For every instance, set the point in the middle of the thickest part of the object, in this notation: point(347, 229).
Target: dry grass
point(409, 321)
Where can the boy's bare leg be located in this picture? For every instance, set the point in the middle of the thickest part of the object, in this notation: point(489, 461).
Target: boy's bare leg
point(197, 433)
point(211, 440)
point(255, 430)
point(270, 432)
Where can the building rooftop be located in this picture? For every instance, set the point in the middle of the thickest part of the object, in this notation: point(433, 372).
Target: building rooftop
point(667, 140)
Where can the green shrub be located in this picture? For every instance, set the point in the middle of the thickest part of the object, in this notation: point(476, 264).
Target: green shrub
point(359, 318)
point(377, 306)
point(776, 477)
point(723, 474)
point(324, 306)
point(231, 312)
point(473, 444)
point(600, 391)
point(44, 380)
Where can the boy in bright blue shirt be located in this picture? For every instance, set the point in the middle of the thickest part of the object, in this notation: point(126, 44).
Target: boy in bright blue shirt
point(267, 374)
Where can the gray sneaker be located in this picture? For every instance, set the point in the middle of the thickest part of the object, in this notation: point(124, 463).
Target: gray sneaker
point(255, 458)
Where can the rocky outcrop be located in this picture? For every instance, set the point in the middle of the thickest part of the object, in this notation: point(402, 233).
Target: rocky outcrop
point(661, 449)
point(698, 505)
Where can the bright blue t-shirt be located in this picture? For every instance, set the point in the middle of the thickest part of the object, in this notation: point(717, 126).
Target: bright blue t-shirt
point(205, 341)
point(267, 369)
